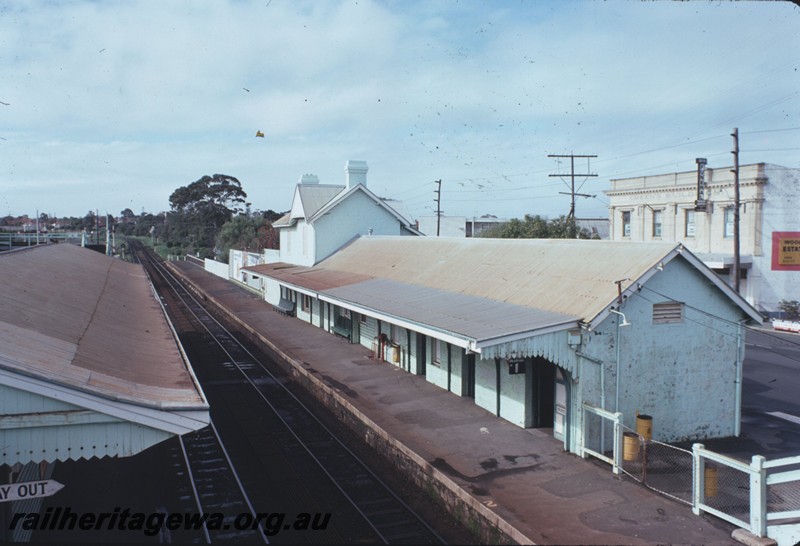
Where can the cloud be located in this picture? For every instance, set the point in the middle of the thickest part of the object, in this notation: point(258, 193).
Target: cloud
point(133, 99)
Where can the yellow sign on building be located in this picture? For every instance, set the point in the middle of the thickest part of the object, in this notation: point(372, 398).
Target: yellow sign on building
point(786, 250)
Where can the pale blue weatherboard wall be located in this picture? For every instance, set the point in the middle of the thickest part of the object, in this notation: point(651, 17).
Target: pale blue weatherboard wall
point(681, 374)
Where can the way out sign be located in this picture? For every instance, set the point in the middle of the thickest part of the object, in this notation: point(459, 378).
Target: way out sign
point(28, 490)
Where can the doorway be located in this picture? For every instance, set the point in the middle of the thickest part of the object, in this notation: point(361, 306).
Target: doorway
point(543, 393)
point(469, 377)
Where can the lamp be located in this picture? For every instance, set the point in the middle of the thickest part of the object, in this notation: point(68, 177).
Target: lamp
point(624, 318)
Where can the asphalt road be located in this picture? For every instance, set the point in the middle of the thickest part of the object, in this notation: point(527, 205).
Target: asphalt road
point(770, 398)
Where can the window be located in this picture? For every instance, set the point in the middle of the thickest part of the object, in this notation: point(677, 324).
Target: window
point(438, 352)
point(657, 223)
point(689, 225)
point(362, 318)
point(728, 233)
point(626, 223)
point(667, 312)
point(305, 303)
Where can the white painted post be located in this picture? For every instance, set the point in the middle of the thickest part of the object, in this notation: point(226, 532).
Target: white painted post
point(582, 442)
point(698, 483)
point(618, 447)
point(758, 496)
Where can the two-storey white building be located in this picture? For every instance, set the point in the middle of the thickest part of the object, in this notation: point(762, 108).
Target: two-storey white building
point(323, 217)
point(662, 208)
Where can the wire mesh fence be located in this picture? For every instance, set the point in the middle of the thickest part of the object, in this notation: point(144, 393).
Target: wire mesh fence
point(598, 434)
point(664, 468)
point(668, 470)
point(784, 497)
point(727, 489)
point(707, 481)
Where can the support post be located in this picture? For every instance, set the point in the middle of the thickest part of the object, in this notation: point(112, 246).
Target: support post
point(698, 483)
point(758, 496)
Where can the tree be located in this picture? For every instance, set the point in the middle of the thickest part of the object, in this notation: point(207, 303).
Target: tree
point(216, 195)
point(201, 209)
point(535, 227)
point(791, 308)
point(253, 233)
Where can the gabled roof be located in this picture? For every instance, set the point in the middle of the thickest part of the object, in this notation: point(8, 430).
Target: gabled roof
point(316, 196)
point(361, 188)
point(558, 282)
point(574, 277)
point(312, 201)
point(307, 200)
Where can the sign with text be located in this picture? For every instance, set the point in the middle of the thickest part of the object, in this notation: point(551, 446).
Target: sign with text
point(516, 365)
point(786, 250)
point(28, 490)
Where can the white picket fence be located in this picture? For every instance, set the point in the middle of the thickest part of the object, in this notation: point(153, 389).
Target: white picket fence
point(762, 497)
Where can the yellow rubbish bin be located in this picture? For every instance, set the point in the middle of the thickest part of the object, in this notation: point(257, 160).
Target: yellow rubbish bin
point(644, 426)
point(630, 446)
point(711, 481)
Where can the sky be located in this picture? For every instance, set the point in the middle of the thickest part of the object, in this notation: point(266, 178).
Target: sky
point(107, 105)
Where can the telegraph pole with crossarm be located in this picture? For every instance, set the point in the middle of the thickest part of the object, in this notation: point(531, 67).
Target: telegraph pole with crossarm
point(572, 193)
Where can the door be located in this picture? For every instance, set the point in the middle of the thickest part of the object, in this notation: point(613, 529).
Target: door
point(542, 391)
point(421, 354)
point(469, 377)
point(561, 404)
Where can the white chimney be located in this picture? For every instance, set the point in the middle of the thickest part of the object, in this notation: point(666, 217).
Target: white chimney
point(356, 173)
point(309, 179)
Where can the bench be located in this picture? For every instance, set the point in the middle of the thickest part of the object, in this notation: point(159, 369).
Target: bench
point(285, 307)
point(341, 331)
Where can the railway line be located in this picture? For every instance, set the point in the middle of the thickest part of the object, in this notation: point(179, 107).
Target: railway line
point(271, 455)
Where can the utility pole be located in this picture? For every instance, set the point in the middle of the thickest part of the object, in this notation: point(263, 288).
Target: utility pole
point(571, 216)
point(735, 171)
point(438, 200)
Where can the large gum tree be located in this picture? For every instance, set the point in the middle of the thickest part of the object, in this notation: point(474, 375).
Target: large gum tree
point(202, 208)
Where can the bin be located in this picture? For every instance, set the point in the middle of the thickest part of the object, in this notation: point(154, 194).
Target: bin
point(644, 426)
point(630, 446)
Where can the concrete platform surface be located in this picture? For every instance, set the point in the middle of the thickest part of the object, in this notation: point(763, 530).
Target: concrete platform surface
point(520, 476)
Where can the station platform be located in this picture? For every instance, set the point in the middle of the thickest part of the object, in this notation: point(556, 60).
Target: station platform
point(518, 481)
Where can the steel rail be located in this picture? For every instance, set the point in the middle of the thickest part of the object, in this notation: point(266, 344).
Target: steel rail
point(382, 530)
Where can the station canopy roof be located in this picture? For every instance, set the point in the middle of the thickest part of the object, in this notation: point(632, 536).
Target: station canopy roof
point(85, 346)
point(483, 291)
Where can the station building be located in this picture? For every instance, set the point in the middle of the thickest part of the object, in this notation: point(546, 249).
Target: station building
point(530, 329)
point(533, 329)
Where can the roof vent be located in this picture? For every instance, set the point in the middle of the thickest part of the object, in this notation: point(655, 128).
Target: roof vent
point(356, 173)
point(309, 179)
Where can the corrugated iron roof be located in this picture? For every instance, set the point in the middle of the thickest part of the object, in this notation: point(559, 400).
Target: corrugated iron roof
point(316, 196)
point(572, 277)
point(476, 318)
point(75, 317)
point(314, 279)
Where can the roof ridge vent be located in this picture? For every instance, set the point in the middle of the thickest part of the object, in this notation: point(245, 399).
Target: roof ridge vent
point(309, 179)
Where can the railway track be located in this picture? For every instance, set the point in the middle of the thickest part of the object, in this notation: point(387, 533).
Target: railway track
point(291, 426)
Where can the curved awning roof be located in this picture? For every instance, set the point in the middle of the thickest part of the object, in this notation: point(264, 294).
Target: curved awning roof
point(85, 329)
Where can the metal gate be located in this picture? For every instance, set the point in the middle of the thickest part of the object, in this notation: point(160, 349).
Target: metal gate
point(661, 467)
